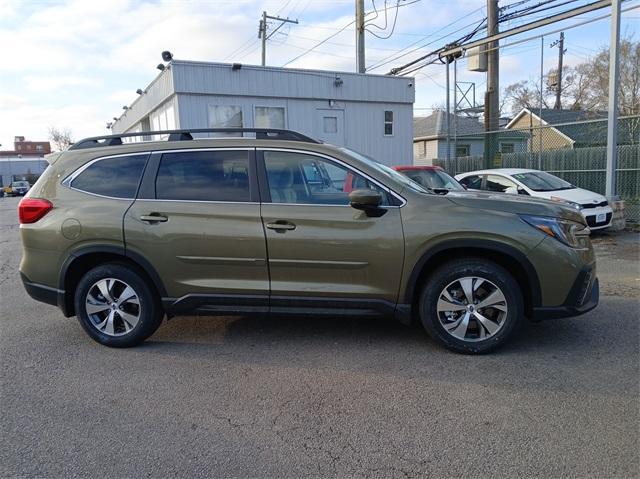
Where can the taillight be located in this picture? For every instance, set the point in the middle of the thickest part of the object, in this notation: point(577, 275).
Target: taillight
point(31, 210)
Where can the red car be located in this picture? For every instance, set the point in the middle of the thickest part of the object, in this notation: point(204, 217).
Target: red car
point(432, 177)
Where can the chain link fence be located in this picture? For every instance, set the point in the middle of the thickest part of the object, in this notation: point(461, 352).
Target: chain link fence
point(574, 151)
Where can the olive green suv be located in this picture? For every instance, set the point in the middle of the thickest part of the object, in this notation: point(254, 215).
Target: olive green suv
point(122, 234)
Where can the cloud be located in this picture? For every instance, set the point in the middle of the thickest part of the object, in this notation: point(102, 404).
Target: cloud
point(46, 83)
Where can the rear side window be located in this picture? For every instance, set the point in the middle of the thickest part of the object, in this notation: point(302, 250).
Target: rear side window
point(204, 176)
point(115, 177)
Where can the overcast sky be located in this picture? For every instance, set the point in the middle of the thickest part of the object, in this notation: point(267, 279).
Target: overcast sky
point(74, 64)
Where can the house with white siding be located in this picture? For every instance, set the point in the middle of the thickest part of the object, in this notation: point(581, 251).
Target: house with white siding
point(372, 114)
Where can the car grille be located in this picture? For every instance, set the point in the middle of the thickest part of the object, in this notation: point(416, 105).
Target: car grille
point(594, 205)
point(591, 220)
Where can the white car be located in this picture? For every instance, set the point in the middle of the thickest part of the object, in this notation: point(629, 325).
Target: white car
point(540, 184)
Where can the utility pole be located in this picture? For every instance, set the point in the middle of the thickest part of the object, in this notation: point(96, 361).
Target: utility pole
point(492, 96)
point(262, 32)
point(612, 122)
point(561, 51)
point(360, 36)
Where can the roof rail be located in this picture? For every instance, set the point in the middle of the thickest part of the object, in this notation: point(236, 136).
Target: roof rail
point(186, 135)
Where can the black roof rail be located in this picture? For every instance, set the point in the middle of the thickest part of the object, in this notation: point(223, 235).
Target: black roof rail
point(186, 135)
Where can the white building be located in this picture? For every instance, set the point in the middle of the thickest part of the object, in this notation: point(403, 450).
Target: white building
point(372, 114)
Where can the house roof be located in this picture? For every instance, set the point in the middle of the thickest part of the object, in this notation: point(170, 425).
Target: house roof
point(579, 127)
point(434, 126)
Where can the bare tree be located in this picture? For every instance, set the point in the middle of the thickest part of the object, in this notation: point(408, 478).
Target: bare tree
point(585, 86)
point(61, 139)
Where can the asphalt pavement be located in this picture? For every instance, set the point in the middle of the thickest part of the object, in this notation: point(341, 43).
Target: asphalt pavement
point(240, 397)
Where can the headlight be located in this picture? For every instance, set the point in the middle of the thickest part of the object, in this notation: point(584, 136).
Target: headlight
point(573, 204)
point(569, 232)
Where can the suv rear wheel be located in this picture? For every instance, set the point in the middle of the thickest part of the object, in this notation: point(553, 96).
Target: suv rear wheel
point(471, 305)
point(116, 307)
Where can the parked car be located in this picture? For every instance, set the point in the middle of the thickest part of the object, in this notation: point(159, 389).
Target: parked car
point(123, 234)
point(433, 177)
point(540, 184)
point(17, 188)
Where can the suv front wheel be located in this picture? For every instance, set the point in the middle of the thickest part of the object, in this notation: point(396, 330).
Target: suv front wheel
point(471, 305)
point(116, 307)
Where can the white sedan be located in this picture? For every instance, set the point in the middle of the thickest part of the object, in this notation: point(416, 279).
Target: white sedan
point(540, 184)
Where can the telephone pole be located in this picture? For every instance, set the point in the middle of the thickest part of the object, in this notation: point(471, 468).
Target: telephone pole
point(262, 31)
point(560, 43)
point(360, 36)
point(492, 96)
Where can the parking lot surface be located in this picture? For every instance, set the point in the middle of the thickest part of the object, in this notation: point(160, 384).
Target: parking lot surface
point(274, 397)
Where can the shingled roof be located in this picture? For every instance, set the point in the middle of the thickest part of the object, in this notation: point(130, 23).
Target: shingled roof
point(434, 127)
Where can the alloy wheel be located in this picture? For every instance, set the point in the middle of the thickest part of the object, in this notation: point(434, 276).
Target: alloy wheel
point(113, 307)
point(472, 308)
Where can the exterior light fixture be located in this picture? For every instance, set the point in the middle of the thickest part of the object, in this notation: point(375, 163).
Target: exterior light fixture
point(115, 119)
point(338, 81)
point(236, 66)
point(160, 67)
point(167, 56)
point(125, 107)
point(139, 91)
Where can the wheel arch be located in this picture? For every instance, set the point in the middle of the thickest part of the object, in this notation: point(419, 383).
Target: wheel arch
point(84, 259)
point(510, 258)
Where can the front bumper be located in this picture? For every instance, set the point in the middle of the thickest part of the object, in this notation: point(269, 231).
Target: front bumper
point(582, 298)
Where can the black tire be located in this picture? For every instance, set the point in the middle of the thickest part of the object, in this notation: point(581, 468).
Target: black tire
point(149, 310)
point(448, 274)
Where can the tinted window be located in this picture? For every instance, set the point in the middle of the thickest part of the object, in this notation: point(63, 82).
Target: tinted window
point(501, 185)
point(204, 176)
point(433, 179)
point(306, 179)
point(473, 182)
point(116, 177)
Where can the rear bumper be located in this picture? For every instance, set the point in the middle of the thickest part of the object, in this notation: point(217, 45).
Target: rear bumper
point(44, 294)
point(583, 297)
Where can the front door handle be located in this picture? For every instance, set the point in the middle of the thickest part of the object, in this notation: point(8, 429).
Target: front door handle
point(153, 218)
point(281, 225)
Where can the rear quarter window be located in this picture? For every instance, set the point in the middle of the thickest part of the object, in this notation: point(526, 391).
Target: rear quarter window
point(114, 177)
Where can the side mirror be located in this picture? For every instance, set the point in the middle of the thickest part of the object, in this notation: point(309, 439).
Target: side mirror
point(522, 191)
point(367, 200)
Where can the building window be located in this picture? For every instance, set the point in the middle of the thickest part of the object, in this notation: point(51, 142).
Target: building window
point(39, 147)
point(330, 124)
point(388, 123)
point(462, 150)
point(270, 117)
point(507, 148)
point(225, 116)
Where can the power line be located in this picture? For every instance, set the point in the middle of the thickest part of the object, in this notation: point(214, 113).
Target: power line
point(309, 50)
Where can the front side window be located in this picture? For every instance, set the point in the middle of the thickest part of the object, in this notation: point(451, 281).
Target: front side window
point(388, 122)
point(204, 176)
point(270, 117)
point(501, 184)
point(299, 178)
point(473, 182)
point(225, 116)
point(115, 177)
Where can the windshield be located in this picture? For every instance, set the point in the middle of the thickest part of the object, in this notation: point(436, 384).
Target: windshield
point(542, 181)
point(19, 184)
point(434, 179)
point(400, 178)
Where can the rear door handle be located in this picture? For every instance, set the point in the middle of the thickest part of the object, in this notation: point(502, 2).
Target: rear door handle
point(281, 225)
point(153, 218)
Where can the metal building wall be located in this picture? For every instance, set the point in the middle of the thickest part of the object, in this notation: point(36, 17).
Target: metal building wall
point(363, 121)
